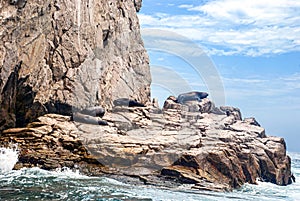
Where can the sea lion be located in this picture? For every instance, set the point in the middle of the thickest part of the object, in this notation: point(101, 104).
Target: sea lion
point(79, 117)
point(96, 111)
point(127, 102)
point(191, 96)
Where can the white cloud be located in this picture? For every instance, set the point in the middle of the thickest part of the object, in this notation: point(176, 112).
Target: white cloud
point(293, 85)
point(244, 80)
point(185, 6)
point(261, 12)
point(295, 77)
point(147, 20)
point(174, 21)
point(292, 82)
point(228, 27)
point(244, 87)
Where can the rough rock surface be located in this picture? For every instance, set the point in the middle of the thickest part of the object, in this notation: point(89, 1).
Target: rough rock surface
point(208, 150)
point(57, 54)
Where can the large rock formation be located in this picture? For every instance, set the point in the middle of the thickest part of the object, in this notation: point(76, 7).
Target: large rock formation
point(212, 148)
point(58, 54)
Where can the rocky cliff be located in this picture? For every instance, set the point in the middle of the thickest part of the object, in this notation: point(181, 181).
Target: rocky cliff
point(60, 55)
point(55, 55)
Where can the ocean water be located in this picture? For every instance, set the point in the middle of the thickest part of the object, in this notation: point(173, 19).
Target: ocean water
point(65, 184)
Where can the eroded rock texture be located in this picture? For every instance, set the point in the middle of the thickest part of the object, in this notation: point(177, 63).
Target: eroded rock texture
point(58, 54)
point(208, 149)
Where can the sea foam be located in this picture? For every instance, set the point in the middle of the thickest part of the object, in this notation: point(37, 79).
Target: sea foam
point(8, 158)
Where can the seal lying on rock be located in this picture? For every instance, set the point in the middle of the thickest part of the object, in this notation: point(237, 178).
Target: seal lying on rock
point(96, 111)
point(79, 117)
point(89, 115)
point(127, 102)
point(191, 96)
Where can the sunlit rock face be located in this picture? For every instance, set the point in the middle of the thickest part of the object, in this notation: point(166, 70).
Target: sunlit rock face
point(59, 54)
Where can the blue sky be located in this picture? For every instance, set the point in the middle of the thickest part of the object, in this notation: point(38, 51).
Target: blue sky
point(254, 46)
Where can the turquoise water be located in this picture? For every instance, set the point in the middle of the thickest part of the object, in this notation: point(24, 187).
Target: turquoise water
point(64, 184)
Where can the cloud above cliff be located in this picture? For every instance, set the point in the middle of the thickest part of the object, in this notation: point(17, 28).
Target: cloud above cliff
point(233, 27)
point(254, 45)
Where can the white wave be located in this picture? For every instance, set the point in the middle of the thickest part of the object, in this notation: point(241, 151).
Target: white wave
point(113, 181)
point(68, 172)
point(38, 173)
point(74, 184)
point(8, 158)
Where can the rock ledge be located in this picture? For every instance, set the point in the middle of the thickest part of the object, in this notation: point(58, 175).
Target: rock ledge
point(210, 151)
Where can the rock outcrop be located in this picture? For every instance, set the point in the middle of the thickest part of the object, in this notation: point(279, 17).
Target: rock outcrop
point(211, 151)
point(59, 54)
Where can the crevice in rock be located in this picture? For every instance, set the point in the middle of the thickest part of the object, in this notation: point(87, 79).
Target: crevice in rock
point(187, 161)
point(122, 11)
point(130, 24)
point(24, 101)
point(105, 37)
point(265, 172)
point(8, 99)
point(58, 107)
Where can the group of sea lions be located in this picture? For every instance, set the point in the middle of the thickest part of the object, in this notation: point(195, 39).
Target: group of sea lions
point(93, 115)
